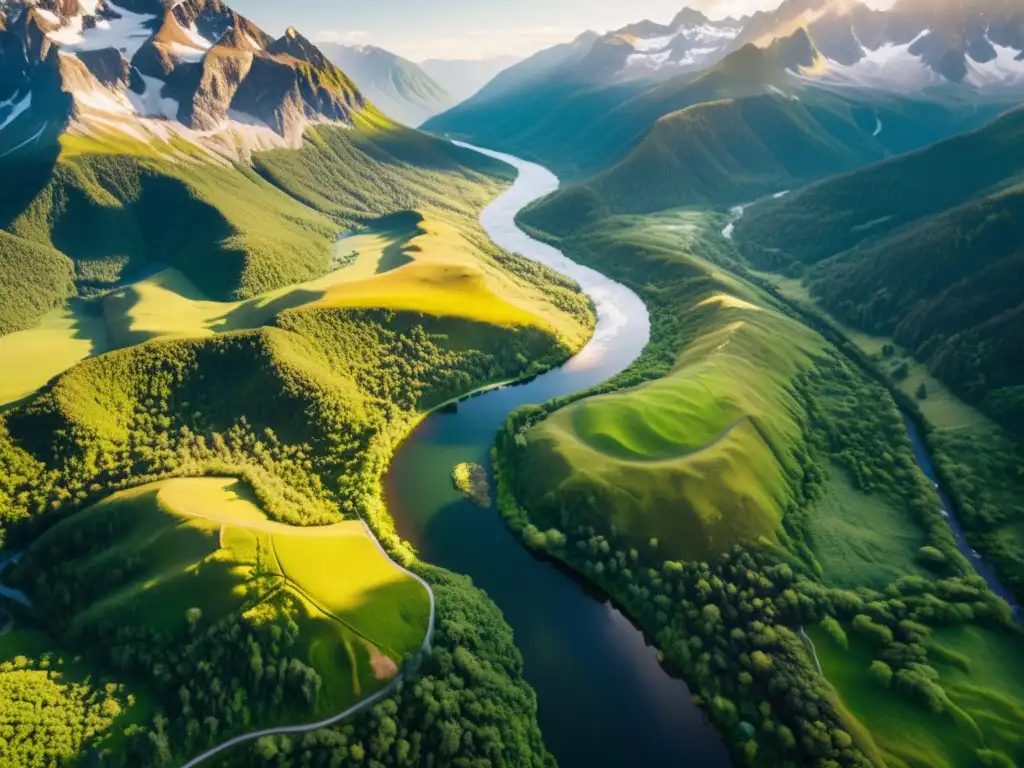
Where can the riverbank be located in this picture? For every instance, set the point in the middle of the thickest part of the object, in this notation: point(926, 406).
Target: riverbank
point(922, 429)
point(592, 669)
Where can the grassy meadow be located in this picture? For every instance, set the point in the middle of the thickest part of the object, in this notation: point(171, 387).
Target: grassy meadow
point(862, 540)
point(196, 552)
point(698, 459)
point(981, 718)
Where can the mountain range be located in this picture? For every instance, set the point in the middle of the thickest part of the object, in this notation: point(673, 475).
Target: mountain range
point(583, 107)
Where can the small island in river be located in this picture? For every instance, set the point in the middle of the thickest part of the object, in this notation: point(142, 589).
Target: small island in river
point(471, 479)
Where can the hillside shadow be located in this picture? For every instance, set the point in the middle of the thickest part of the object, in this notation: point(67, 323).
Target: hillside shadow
point(398, 230)
point(25, 172)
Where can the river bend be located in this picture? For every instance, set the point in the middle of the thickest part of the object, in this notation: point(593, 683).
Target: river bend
point(604, 699)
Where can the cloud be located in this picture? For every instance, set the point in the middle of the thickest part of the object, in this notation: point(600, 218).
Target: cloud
point(349, 37)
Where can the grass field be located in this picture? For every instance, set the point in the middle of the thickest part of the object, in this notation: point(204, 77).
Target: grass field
point(204, 543)
point(980, 671)
point(62, 338)
point(700, 458)
point(861, 540)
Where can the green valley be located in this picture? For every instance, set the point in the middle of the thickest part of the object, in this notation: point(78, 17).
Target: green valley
point(330, 443)
point(213, 359)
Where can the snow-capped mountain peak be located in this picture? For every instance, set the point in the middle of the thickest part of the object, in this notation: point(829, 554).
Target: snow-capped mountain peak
point(690, 42)
point(151, 70)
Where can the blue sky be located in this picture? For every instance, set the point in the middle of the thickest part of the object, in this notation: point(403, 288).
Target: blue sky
point(420, 29)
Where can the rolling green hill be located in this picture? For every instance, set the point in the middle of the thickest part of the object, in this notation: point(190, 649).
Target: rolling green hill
point(100, 212)
point(182, 557)
point(719, 152)
point(742, 481)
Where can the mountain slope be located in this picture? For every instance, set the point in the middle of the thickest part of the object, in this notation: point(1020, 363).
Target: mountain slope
point(396, 86)
point(462, 78)
point(121, 125)
point(926, 247)
point(745, 130)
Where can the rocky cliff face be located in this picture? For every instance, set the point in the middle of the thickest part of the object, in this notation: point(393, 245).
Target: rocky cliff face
point(194, 65)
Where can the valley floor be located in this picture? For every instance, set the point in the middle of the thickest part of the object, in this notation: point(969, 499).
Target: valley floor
point(821, 518)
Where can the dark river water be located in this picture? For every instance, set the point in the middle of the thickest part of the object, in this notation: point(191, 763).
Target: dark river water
point(604, 699)
point(986, 571)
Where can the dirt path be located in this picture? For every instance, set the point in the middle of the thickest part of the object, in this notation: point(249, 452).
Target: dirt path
point(366, 703)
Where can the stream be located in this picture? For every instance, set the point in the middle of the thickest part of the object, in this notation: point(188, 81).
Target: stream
point(985, 570)
point(927, 466)
point(603, 697)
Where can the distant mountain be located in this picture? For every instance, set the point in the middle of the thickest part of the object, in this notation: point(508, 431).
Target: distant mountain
point(396, 86)
point(581, 128)
point(927, 247)
point(582, 107)
point(462, 78)
point(917, 44)
point(739, 131)
point(688, 43)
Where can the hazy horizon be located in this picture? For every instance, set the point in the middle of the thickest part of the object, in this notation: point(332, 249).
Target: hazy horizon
point(465, 29)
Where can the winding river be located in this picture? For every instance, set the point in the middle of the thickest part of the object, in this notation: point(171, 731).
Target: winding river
point(603, 697)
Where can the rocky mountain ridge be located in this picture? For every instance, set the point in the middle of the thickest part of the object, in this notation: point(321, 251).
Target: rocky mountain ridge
point(146, 68)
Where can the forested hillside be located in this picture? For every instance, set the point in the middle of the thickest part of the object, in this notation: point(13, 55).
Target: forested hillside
point(926, 248)
point(260, 373)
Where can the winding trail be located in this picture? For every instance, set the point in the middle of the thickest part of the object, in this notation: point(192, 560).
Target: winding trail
point(366, 703)
point(809, 645)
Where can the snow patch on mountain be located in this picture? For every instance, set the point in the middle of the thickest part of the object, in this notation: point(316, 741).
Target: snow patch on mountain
point(890, 66)
point(684, 47)
point(26, 142)
point(49, 16)
point(1006, 69)
point(19, 107)
point(649, 60)
point(125, 34)
point(151, 102)
point(640, 45)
